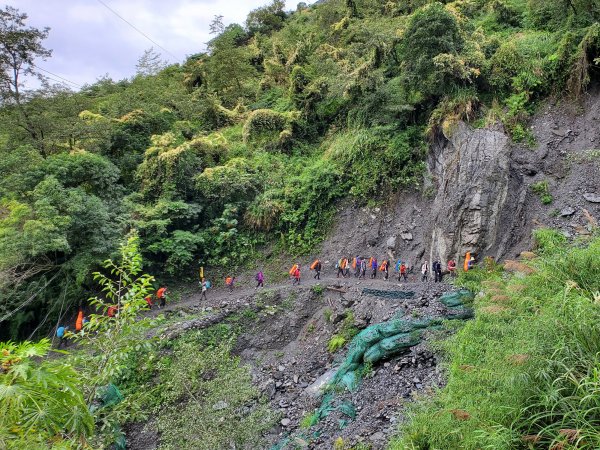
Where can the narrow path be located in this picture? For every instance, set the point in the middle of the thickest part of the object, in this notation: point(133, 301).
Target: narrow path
point(217, 295)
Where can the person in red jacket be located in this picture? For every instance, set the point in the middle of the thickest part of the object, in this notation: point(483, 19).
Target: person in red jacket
point(452, 267)
point(296, 275)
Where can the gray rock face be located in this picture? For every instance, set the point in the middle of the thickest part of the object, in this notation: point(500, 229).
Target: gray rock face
point(592, 198)
point(476, 193)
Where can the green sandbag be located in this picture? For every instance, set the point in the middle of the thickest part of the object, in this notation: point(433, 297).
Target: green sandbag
point(356, 351)
point(400, 341)
point(374, 354)
point(344, 369)
point(461, 314)
point(398, 326)
point(369, 335)
point(457, 298)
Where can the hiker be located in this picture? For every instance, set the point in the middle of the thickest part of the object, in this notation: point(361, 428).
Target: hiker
point(424, 271)
point(60, 334)
point(363, 268)
point(296, 275)
point(229, 281)
point(385, 268)
point(452, 268)
point(317, 266)
point(79, 321)
point(373, 262)
point(403, 271)
point(466, 264)
point(112, 311)
point(260, 280)
point(341, 268)
point(161, 295)
point(356, 266)
point(86, 320)
point(437, 271)
point(204, 288)
point(347, 267)
point(148, 299)
point(471, 262)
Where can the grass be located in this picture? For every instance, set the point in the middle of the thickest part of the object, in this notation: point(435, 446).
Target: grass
point(525, 372)
point(335, 343)
point(542, 189)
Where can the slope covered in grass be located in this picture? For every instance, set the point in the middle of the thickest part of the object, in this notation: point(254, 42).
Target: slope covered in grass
point(525, 372)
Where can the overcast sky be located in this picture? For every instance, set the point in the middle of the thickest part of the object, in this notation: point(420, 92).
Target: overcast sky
point(89, 41)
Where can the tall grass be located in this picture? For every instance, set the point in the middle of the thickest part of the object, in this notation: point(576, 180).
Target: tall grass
point(525, 373)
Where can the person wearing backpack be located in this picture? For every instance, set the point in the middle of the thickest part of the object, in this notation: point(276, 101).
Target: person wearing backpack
point(363, 269)
point(317, 266)
point(347, 267)
point(161, 295)
point(204, 288)
point(385, 268)
point(229, 283)
point(296, 275)
point(403, 271)
point(373, 267)
point(340, 266)
point(60, 334)
point(260, 279)
point(424, 271)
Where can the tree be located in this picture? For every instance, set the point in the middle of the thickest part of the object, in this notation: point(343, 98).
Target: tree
point(112, 339)
point(431, 32)
point(267, 18)
point(150, 63)
point(217, 26)
point(20, 45)
point(229, 67)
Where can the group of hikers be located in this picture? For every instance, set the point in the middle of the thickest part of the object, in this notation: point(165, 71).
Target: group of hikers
point(359, 266)
point(62, 331)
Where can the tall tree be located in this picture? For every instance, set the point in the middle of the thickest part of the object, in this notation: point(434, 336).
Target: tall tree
point(150, 63)
point(20, 45)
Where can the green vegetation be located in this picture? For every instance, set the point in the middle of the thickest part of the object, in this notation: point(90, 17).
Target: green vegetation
point(542, 189)
point(251, 144)
point(335, 343)
point(205, 389)
point(255, 141)
point(524, 371)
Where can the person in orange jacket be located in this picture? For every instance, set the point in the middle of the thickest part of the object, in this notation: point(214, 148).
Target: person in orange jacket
point(161, 295)
point(79, 321)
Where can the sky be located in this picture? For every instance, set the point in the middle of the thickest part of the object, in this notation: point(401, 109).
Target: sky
point(88, 41)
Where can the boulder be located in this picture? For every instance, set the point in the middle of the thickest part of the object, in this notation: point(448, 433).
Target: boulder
point(591, 197)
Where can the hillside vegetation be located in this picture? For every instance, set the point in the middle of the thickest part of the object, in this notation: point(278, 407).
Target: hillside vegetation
point(254, 140)
point(250, 145)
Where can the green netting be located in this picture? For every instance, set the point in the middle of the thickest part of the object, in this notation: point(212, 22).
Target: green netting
point(389, 294)
point(382, 341)
point(120, 442)
point(458, 298)
point(110, 395)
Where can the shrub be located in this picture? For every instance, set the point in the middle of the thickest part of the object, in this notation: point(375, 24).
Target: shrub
point(268, 129)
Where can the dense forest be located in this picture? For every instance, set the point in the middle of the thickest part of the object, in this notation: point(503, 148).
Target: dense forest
point(249, 144)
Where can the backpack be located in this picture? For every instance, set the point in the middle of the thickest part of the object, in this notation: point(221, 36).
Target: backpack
point(208, 284)
point(293, 269)
point(313, 265)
